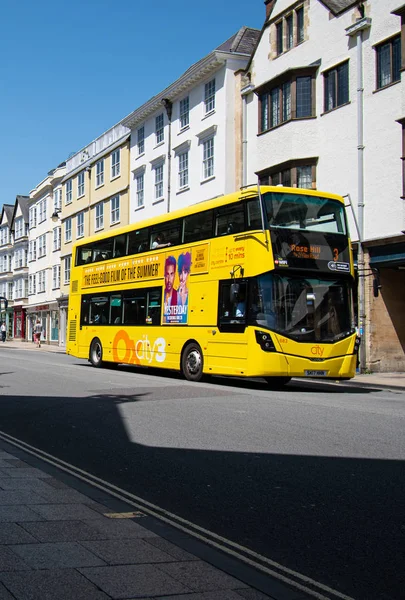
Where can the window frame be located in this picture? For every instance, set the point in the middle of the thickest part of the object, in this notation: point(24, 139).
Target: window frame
point(183, 172)
point(208, 161)
point(100, 173)
point(115, 209)
point(140, 140)
point(68, 192)
point(273, 94)
point(331, 78)
point(160, 129)
point(80, 225)
point(68, 230)
point(277, 174)
point(209, 96)
point(389, 42)
point(159, 181)
point(116, 163)
point(80, 184)
point(184, 112)
point(99, 216)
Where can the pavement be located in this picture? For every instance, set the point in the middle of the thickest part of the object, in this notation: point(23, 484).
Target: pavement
point(62, 538)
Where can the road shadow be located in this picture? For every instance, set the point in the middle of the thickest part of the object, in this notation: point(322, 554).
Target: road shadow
point(338, 520)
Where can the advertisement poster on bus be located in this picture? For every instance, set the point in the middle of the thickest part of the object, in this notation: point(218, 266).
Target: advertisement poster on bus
point(177, 272)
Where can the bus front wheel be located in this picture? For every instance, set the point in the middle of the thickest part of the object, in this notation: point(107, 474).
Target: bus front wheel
point(96, 353)
point(192, 362)
point(277, 382)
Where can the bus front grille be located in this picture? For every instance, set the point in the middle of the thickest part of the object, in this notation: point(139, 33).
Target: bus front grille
point(72, 331)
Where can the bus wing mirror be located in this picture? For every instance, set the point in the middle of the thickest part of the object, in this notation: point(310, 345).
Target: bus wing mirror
point(234, 293)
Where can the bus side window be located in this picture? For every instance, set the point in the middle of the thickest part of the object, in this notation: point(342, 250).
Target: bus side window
point(154, 306)
point(138, 241)
point(198, 227)
point(230, 219)
point(134, 307)
point(170, 231)
point(120, 246)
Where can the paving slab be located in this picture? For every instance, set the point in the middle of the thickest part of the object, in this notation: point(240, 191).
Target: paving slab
point(126, 552)
point(200, 576)
point(60, 531)
point(134, 581)
point(66, 584)
point(57, 555)
point(12, 533)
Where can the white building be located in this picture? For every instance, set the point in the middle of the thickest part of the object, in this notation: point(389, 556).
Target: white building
point(44, 256)
point(184, 141)
point(325, 108)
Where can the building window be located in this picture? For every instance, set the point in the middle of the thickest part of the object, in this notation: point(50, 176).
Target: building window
point(183, 170)
point(42, 211)
point(99, 223)
point(299, 17)
point(68, 230)
point(140, 140)
point(289, 32)
point(336, 86)
point(208, 158)
point(209, 96)
point(56, 238)
point(42, 245)
point(67, 263)
point(57, 200)
point(159, 181)
point(115, 163)
point(292, 99)
point(139, 183)
point(41, 281)
point(32, 255)
point(19, 228)
point(32, 285)
point(402, 123)
point(159, 129)
point(80, 184)
point(295, 173)
point(389, 62)
point(68, 189)
point(80, 225)
point(184, 112)
point(4, 236)
point(56, 277)
point(279, 37)
point(33, 217)
point(100, 173)
point(115, 209)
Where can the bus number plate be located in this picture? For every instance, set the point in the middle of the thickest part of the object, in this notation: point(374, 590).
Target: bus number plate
point(316, 373)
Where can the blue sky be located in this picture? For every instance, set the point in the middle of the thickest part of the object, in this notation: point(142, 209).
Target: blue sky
point(71, 70)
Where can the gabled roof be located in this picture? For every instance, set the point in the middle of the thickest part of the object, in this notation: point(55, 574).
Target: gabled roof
point(7, 210)
point(22, 202)
point(338, 6)
point(242, 42)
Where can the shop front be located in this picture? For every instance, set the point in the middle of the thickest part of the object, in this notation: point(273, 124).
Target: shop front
point(19, 322)
point(48, 314)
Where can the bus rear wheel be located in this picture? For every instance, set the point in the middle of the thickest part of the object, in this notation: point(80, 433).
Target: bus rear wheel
point(277, 382)
point(96, 353)
point(192, 362)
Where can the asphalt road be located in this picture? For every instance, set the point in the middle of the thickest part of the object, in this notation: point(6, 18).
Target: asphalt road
point(311, 477)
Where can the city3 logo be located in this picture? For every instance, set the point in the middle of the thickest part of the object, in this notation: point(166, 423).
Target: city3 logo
point(140, 352)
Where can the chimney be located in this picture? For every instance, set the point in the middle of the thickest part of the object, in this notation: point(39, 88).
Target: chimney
point(269, 4)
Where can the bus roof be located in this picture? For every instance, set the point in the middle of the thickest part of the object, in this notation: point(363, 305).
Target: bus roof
point(242, 194)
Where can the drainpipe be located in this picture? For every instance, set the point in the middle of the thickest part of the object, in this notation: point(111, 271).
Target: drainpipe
point(169, 107)
point(356, 31)
point(245, 93)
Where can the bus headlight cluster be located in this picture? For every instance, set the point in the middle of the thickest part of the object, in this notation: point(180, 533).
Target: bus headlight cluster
point(263, 338)
point(357, 345)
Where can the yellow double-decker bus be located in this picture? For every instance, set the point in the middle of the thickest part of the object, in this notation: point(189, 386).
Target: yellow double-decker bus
point(258, 283)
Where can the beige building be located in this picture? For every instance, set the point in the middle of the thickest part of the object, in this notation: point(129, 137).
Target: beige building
point(95, 198)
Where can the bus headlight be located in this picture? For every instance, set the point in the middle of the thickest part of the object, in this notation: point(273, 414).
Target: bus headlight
point(263, 338)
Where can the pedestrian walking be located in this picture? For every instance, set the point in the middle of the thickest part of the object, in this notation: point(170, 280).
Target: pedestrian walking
point(3, 331)
point(37, 333)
